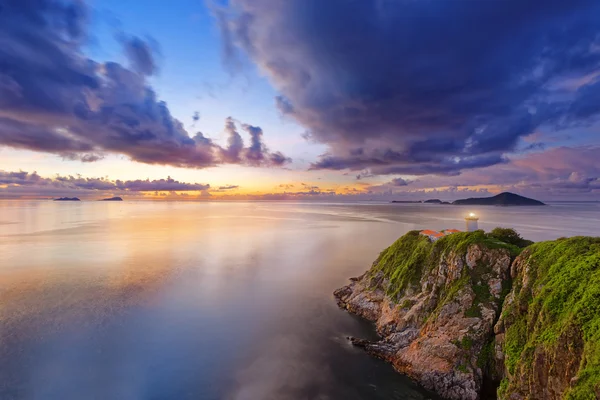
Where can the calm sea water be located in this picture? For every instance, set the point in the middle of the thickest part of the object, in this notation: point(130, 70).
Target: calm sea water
point(164, 300)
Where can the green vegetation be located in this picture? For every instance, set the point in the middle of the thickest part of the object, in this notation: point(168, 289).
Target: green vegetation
point(403, 261)
point(515, 343)
point(466, 343)
point(462, 368)
point(560, 302)
point(502, 389)
point(407, 259)
point(485, 355)
point(407, 303)
point(509, 236)
point(482, 295)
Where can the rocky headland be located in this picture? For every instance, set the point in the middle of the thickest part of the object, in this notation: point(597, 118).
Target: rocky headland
point(475, 315)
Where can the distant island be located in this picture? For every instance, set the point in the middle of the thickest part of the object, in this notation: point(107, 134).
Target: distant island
point(502, 199)
point(430, 201)
point(436, 201)
point(67, 199)
point(116, 198)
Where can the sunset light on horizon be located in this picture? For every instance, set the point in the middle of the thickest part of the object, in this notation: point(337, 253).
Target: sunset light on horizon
point(272, 112)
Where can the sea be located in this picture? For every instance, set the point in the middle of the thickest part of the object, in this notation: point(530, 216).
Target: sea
point(153, 300)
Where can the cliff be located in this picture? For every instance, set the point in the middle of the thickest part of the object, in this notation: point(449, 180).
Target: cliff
point(438, 306)
point(547, 343)
point(434, 305)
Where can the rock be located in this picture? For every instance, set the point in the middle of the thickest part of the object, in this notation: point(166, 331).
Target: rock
point(435, 327)
point(538, 354)
point(443, 321)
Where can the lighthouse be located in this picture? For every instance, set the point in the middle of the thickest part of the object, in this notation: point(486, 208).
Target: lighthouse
point(471, 220)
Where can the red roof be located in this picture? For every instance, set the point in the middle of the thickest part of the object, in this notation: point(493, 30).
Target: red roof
point(429, 232)
point(439, 234)
point(452, 230)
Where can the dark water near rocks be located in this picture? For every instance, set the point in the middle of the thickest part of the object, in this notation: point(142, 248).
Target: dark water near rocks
point(158, 300)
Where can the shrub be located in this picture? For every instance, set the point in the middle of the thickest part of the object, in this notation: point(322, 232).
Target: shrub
point(509, 236)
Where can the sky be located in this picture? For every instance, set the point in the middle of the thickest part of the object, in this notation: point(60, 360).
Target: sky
point(299, 99)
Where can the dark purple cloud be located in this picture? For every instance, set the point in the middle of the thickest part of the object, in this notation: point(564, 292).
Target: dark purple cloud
point(257, 149)
point(140, 55)
point(14, 181)
point(569, 172)
point(86, 158)
point(421, 87)
point(277, 159)
point(399, 182)
point(20, 178)
point(161, 185)
point(235, 144)
point(54, 99)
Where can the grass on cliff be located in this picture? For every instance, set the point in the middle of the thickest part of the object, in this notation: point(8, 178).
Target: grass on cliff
point(412, 255)
point(565, 275)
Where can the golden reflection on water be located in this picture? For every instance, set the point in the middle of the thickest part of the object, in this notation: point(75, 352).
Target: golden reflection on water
point(102, 260)
point(204, 300)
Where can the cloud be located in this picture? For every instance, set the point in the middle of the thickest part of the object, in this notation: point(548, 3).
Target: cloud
point(257, 149)
point(399, 182)
point(140, 55)
point(83, 157)
point(565, 173)
point(161, 185)
point(405, 87)
point(19, 178)
point(559, 172)
point(54, 99)
point(235, 143)
point(32, 184)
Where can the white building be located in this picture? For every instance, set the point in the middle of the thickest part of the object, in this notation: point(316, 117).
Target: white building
point(471, 220)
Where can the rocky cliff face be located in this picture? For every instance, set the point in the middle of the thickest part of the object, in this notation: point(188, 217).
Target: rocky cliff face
point(434, 305)
point(440, 311)
point(547, 343)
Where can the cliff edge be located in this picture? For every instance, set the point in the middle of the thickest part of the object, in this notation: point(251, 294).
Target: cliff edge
point(547, 343)
point(438, 307)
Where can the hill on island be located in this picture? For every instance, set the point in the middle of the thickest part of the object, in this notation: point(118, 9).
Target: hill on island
point(436, 201)
point(116, 198)
point(67, 199)
point(502, 199)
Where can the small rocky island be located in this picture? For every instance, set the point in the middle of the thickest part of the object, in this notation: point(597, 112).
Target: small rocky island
point(435, 201)
point(476, 315)
point(116, 198)
point(502, 199)
point(67, 199)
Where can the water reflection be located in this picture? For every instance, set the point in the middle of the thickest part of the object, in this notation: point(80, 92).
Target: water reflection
point(206, 300)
